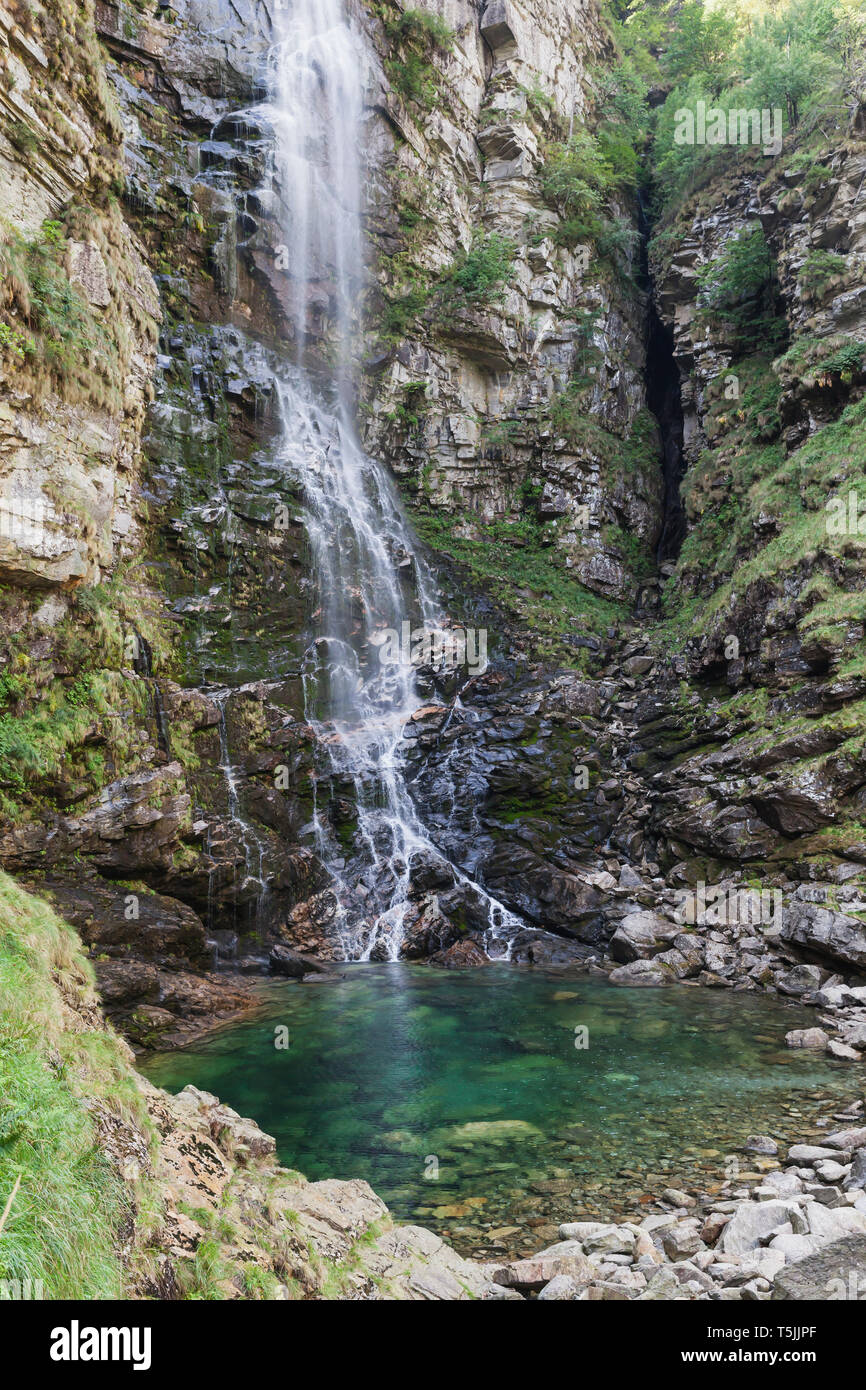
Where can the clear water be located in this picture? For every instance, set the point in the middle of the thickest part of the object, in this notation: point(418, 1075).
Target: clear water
point(464, 1101)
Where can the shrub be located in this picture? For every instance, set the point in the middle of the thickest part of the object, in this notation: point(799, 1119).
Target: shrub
point(477, 276)
point(740, 288)
point(818, 269)
point(416, 35)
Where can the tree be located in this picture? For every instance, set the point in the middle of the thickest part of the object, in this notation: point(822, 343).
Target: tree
point(701, 42)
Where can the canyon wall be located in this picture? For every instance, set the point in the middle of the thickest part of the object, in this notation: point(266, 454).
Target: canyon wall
point(154, 621)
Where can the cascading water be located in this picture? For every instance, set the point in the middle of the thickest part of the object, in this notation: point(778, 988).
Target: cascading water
point(369, 579)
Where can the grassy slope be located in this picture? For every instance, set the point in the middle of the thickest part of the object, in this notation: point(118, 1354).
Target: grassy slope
point(61, 1075)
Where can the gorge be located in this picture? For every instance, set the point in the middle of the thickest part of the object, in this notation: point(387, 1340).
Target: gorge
point(323, 323)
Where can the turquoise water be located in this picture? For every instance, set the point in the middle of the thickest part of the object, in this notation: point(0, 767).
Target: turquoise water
point(463, 1100)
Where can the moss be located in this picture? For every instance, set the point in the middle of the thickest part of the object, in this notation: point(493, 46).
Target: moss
point(514, 567)
point(67, 735)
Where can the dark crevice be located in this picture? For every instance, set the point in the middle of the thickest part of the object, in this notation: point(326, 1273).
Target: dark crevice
point(665, 401)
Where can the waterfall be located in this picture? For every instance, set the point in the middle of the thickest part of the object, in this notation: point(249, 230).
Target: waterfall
point(369, 579)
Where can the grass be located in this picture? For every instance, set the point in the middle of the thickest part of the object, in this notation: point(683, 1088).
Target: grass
point(57, 1062)
point(743, 479)
point(51, 338)
point(513, 567)
point(416, 35)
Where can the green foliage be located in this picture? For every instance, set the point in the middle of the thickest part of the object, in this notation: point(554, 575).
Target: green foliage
point(14, 341)
point(578, 178)
point(515, 565)
point(478, 276)
point(641, 450)
point(66, 1224)
point(58, 340)
point(409, 410)
point(788, 55)
point(57, 732)
point(846, 360)
point(741, 480)
point(700, 40)
point(817, 360)
point(819, 269)
point(402, 311)
point(538, 102)
point(802, 57)
point(740, 289)
point(416, 35)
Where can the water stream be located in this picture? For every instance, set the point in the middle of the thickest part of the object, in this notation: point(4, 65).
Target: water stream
point(369, 578)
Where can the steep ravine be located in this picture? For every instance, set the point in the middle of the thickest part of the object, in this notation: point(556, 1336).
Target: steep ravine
point(676, 677)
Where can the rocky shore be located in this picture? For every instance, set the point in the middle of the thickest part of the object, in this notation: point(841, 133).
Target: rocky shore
point(791, 1225)
point(794, 1230)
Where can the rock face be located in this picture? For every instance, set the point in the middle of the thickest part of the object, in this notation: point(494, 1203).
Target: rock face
point(70, 436)
point(831, 935)
point(326, 1239)
point(773, 772)
point(466, 406)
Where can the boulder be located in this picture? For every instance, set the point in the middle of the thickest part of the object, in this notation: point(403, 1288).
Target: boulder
point(837, 1271)
point(566, 1259)
point(284, 961)
point(801, 980)
point(560, 1288)
point(808, 1037)
point(804, 1155)
point(463, 955)
point(641, 973)
point(857, 1176)
point(682, 1242)
point(634, 938)
point(753, 1222)
point(831, 935)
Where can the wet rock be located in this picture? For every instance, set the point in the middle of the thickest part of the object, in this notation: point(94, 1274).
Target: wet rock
point(463, 955)
point(284, 961)
point(542, 948)
point(761, 1144)
point(118, 922)
point(808, 1037)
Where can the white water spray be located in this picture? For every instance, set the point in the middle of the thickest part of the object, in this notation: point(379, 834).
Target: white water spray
point(367, 573)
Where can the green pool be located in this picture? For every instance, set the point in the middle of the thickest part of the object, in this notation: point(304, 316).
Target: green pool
point(493, 1104)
